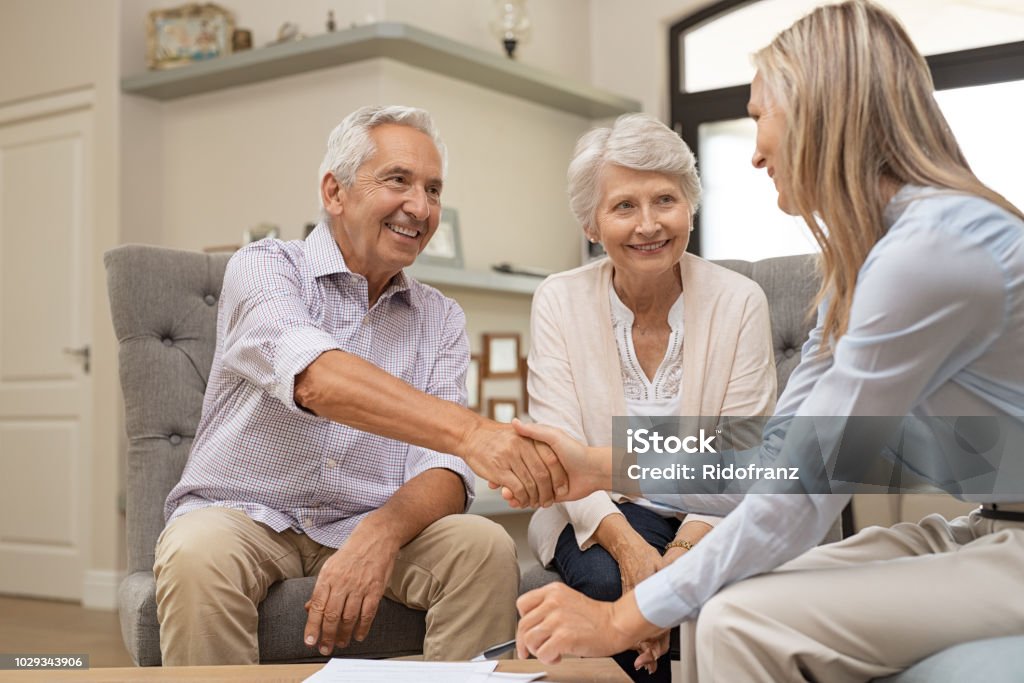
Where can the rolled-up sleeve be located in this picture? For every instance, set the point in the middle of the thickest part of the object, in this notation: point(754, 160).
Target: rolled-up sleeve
point(268, 334)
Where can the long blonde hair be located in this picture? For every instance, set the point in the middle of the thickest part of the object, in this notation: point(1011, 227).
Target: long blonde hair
point(862, 120)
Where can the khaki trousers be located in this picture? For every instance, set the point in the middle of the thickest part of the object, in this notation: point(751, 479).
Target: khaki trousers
point(214, 567)
point(866, 607)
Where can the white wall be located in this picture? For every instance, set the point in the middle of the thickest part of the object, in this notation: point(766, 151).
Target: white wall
point(48, 47)
point(218, 163)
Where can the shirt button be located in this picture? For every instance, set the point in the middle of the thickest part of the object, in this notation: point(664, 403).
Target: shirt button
point(307, 521)
point(331, 464)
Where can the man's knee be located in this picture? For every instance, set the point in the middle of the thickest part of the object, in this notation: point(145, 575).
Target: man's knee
point(488, 538)
point(486, 546)
point(196, 545)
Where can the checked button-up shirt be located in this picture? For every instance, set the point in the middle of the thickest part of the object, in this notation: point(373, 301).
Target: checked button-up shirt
point(282, 305)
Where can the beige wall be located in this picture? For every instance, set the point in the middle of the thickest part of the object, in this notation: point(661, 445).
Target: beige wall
point(221, 162)
point(630, 48)
point(48, 47)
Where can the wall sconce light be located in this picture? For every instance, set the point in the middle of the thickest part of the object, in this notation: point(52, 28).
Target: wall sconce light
point(511, 25)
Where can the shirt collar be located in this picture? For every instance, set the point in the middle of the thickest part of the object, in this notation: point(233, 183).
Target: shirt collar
point(325, 258)
point(899, 203)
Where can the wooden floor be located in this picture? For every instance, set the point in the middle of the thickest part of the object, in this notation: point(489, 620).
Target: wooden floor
point(45, 627)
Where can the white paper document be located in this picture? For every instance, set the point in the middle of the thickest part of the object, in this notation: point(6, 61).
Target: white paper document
point(405, 671)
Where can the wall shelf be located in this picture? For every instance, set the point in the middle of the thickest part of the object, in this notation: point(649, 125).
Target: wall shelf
point(393, 40)
point(475, 279)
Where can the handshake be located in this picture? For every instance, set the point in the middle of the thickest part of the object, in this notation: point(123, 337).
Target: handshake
point(535, 465)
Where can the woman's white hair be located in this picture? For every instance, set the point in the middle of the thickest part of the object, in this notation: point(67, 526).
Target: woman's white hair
point(636, 141)
point(350, 143)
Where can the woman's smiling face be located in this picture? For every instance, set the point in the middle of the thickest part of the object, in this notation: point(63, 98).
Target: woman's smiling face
point(642, 220)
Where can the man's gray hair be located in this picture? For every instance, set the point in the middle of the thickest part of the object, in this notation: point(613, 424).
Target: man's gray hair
point(636, 141)
point(350, 144)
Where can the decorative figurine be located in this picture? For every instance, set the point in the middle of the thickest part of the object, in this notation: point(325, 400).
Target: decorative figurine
point(330, 21)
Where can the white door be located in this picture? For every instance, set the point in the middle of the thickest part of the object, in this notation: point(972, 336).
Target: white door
point(45, 422)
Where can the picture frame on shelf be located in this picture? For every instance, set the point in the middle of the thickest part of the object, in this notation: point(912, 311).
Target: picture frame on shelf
point(502, 409)
point(445, 247)
point(187, 34)
point(500, 355)
point(474, 383)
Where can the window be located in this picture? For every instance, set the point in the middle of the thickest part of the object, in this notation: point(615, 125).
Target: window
point(975, 64)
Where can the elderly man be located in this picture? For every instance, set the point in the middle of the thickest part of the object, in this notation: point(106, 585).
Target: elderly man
point(330, 362)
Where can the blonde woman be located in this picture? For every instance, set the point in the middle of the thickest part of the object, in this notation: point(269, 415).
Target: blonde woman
point(651, 330)
point(921, 313)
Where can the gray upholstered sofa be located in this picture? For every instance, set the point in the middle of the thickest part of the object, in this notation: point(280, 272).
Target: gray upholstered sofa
point(164, 305)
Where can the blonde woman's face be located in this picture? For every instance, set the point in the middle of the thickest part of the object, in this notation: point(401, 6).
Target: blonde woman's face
point(771, 123)
point(643, 220)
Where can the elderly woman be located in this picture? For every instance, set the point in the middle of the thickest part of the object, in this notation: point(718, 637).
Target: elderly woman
point(921, 313)
point(651, 330)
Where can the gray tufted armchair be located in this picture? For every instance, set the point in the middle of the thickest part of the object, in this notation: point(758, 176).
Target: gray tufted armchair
point(164, 306)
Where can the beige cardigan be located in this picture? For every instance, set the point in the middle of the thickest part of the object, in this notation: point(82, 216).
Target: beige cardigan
point(575, 380)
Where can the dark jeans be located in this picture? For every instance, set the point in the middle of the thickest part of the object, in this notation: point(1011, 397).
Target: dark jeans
point(595, 573)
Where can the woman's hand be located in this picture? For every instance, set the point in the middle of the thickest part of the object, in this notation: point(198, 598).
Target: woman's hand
point(636, 558)
point(650, 650)
point(556, 620)
point(637, 561)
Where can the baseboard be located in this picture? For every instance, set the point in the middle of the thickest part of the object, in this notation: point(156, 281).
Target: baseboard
point(99, 589)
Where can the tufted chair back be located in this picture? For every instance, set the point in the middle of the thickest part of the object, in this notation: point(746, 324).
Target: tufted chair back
point(790, 283)
point(164, 309)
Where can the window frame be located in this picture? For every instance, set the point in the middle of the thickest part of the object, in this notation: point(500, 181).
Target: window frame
point(688, 110)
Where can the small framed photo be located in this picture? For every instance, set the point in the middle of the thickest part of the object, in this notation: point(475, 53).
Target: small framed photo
point(445, 247)
point(502, 409)
point(501, 355)
point(473, 383)
point(187, 34)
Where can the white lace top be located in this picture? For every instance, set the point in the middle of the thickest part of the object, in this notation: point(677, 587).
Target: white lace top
point(662, 396)
point(643, 396)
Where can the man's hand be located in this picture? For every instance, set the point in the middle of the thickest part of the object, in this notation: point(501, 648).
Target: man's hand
point(530, 471)
point(556, 620)
point(589, 469)
point(348, 590)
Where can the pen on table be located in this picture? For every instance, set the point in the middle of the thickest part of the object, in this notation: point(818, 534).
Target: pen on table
point(495, 651)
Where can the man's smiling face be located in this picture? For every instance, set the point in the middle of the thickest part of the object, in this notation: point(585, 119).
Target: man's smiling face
point(391, 210)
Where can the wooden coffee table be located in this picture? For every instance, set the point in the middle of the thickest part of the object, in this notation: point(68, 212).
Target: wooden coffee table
point(569, 671)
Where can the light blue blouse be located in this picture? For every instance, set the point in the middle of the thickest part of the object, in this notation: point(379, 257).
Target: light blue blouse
point(936, 328)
